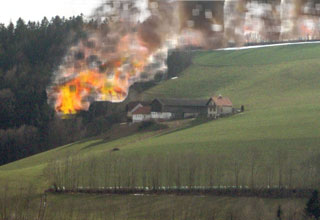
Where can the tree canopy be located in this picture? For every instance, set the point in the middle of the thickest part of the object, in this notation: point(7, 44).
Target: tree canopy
point(29, 54)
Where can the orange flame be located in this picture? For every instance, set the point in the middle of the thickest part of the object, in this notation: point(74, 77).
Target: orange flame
point(111, 84)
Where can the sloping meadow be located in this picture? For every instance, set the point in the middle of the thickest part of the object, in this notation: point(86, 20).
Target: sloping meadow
point(252, 168)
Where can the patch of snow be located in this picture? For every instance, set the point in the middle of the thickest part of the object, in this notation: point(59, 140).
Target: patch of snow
point(138, 194)
point(268, 45)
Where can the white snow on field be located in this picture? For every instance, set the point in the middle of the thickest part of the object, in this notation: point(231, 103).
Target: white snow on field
point(268, 45)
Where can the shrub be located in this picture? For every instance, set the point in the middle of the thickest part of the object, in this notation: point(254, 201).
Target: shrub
point(151, 125)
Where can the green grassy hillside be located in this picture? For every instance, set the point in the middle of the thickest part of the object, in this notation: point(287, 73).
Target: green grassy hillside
point(279, 87)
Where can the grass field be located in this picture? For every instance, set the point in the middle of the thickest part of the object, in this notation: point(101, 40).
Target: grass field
point(279, 87)
point(152, 207)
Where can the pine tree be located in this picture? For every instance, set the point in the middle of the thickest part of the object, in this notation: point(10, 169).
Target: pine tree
point(313, 206)
point(29, 54)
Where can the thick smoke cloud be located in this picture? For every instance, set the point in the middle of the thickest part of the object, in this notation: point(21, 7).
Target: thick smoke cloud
point(129, 45)
point(132, 39)
point(272, 20)
point(205, 20)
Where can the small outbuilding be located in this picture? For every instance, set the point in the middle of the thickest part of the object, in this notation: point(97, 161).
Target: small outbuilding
point(133, 106)
point(141, 114)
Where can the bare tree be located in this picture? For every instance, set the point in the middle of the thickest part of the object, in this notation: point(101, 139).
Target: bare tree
point(106, 170)
point(269, 174)
point(236, 165)
point(192, 169)
point(210, 169)
point(178, 176)
point(282, 156)
point(254, 157)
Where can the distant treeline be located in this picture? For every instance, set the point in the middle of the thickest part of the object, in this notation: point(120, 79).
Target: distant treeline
point(29, 54)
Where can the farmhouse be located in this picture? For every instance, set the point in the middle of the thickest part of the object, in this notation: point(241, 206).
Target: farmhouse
point(141, 114)
point(219, 106)
point(165, 109)
point(132, 106)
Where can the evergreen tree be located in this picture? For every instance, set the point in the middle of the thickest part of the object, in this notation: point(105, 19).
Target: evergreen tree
point(29, 53)
point(313, 206)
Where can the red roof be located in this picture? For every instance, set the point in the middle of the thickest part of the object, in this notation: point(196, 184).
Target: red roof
point(222, 101)
point(145, 110)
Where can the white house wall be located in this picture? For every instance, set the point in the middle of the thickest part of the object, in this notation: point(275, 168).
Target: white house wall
point(154, 115)
point(212, 112)
point(161, 115)
point(140, 117)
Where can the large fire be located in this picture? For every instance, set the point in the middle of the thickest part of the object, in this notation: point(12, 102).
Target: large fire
point(72, 96)
point(102, 77)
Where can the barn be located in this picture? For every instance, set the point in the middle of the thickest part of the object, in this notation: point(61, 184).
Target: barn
point(180, 108)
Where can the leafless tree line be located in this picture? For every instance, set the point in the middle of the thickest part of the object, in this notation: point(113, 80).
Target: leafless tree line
point(250, 169)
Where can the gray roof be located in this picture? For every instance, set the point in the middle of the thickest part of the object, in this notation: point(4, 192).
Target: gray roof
point(183, 102)
point(133, 104)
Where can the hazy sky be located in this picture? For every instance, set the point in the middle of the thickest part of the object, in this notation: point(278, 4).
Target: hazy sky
point(35, 10)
